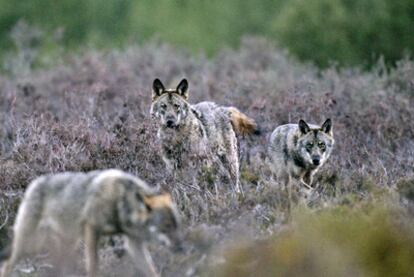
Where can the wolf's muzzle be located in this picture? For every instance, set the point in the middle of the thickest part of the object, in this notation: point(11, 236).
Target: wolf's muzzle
point(170, 123)
point(316, 160)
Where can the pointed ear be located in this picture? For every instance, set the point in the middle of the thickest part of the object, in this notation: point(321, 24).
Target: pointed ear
point(158, 201)
point(303, 127)
point(327, 126)
point(157, 88)
point(182, 88)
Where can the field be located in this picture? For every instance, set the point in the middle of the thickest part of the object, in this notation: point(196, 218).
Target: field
point(91, 111)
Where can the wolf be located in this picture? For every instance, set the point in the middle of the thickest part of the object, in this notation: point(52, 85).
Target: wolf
point(61, 209)
point(299, 150)
point(201, 136)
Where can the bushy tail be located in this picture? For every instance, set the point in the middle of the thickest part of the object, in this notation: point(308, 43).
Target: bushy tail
point(242, 124)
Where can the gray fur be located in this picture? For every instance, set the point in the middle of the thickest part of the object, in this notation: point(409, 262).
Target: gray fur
point(196, 137)
point(299, 150)
point(60, 209)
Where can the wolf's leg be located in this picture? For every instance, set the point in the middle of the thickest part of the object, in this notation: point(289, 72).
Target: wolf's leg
point(8, 266)
point(231, 164)
point(287, 182)
point(62, 254)
point(91, 238)
point(307, 180)
point(142, 258)
point(22, 246)
point(26, 240)
point(277, 176)
point(235, 164)
point(149, 262)
point(235, 176)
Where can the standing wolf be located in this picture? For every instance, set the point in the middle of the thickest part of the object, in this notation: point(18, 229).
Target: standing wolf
point(60, 209)
point(201, 136)
point(299, 150)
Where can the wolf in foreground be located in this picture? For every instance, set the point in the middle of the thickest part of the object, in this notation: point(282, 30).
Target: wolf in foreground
point(60, 209)
point(198, 137)
point(299, 150)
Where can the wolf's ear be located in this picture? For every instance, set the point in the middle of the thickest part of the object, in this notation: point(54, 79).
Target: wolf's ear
point(157, 88)
point(182, 88)
point(327, 126)
point(303, 127)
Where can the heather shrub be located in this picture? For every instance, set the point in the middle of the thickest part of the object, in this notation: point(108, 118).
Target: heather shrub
point(91, 111)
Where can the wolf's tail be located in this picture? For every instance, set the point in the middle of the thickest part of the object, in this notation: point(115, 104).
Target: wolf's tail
point(242, 124)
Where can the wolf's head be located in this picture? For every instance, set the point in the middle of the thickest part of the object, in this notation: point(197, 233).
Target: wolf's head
point(170, 106)
point(315, 142)
point(163, 221)
point(147, 216)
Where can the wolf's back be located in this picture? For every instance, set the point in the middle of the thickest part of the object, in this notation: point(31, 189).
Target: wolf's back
point(241, 123)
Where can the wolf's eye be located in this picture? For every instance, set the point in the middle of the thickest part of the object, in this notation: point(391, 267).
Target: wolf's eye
point(177, 107)
point(322, 145)
point(309, 146)
point(163, 106)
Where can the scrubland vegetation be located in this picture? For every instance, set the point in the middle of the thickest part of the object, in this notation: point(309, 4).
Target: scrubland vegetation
point(91, 111)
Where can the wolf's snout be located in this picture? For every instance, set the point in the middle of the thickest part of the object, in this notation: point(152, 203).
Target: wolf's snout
point(170, 123)
point(316, 160)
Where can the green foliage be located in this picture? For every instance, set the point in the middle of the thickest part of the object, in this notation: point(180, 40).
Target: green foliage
point(314, 28)
point(80, 19)
point(205, 25)
point(347, 31)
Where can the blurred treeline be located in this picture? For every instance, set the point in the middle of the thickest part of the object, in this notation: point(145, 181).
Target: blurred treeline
point(347, 31)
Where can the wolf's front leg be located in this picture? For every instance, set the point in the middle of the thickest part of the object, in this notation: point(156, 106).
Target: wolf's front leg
point(307, 180)
point(235, 177)
point(24, 244)
point(141, 257)
point(91, 238)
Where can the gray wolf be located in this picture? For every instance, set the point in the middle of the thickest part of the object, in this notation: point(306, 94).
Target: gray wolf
point(299, 150)
point(60, 209)
point(198, 137)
